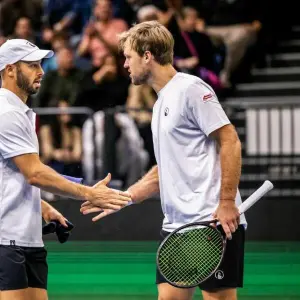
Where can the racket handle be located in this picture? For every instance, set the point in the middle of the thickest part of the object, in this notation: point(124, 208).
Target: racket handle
point(259, 193)
point(74, 179)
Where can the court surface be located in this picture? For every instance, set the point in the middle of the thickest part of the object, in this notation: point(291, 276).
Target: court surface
point(126, 270)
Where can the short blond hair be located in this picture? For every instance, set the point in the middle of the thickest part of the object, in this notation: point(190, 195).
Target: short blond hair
point(150, 36)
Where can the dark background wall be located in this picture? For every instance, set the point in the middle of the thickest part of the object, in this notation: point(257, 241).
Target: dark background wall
point(269, 220)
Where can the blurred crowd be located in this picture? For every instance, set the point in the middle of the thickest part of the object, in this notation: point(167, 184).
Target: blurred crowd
point(219, 41)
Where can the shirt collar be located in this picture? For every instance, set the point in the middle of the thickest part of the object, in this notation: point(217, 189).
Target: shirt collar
point(14, 100)
point(169, 83)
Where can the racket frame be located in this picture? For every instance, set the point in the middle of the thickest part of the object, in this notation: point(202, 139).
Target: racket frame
point(204, 223)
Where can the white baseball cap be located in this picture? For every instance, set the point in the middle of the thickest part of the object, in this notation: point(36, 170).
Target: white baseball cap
point(15, 50)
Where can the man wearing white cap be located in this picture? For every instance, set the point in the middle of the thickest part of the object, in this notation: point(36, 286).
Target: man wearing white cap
point(23, 266)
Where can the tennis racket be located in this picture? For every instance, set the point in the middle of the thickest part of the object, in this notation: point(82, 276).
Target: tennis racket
point(193, 252)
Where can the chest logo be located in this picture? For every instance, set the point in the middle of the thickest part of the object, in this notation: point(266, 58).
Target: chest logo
point(166, 111)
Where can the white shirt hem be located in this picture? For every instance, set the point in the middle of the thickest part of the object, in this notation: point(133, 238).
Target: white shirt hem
point(21, 244)
point(216, 126)
point(172, 228)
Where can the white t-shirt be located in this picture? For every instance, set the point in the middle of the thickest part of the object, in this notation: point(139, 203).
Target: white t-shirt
point(186, 112)
point(20, 202)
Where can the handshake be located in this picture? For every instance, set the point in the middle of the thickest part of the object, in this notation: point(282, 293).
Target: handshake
point(105, 200)
point(101, 199)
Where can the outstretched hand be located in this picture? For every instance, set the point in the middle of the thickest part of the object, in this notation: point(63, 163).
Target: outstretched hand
point(88, 208)
point(107, 198)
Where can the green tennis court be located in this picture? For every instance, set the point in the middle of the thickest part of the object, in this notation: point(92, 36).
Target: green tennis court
point(126, 270)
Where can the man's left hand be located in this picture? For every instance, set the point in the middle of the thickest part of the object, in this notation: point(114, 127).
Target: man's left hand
point(51, 214)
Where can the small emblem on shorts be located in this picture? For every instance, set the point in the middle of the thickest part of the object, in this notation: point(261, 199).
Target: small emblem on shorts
point(219, 274)
point(166, 111)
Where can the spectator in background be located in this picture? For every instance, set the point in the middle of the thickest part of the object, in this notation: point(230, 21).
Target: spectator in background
point(139, 105)
point(57, 41)
point(195, 53)
point(236, 23)
point(124, 10)
point(148, 13)
point(61, 145)
point(104, 85)
point(62, 83)
point(111, 143)
point(68, 15)
point(100, 36)
point(23, 30)
point(12, 10)
point(128, 9)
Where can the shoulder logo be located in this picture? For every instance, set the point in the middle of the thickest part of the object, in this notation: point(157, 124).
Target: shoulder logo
point(219, 275)
point(207, 97)
point(166, 111)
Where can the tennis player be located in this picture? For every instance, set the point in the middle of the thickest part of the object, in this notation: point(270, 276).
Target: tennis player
point(198, 155)
point(23, 266)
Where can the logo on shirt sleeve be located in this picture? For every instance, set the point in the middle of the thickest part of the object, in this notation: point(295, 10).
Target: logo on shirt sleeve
point(207, 97)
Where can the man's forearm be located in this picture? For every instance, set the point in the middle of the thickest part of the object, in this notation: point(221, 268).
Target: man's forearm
point(231, 161)
point(49, 180)
point(145, 187)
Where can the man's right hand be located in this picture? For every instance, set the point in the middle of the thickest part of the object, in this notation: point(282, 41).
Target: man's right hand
point(107, 198)
point(88, 208)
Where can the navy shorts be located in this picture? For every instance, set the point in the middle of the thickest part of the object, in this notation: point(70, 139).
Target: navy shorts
point(23, 267)
point(231, 270)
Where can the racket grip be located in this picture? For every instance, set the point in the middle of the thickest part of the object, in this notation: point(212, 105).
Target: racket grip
point(259, 193)
point(74, 179)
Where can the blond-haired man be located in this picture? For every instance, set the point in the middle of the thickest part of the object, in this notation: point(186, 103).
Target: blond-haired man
point(198, 157)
